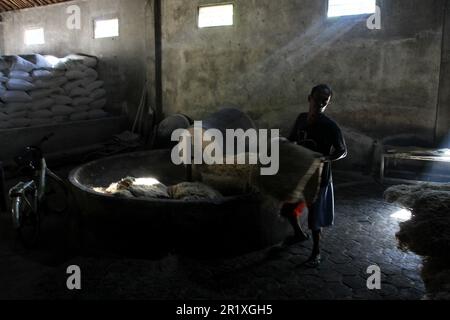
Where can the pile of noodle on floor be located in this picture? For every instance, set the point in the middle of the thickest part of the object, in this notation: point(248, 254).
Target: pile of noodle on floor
point(428, 232)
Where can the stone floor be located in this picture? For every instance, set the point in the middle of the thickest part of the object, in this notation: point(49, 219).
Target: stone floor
point(364, 235)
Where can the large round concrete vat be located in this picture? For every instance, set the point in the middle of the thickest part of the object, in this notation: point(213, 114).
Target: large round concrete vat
point(143, 228)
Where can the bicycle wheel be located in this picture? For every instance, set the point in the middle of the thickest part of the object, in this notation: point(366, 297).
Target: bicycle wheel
point(27, 221)
point(56, 195)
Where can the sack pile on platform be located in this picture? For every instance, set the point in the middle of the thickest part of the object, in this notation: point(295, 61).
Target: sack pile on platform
point(43, 90)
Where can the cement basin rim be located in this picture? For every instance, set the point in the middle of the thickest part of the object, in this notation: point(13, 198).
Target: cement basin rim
point(74, 174)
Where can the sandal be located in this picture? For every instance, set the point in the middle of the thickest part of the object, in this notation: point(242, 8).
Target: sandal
point(314, 261)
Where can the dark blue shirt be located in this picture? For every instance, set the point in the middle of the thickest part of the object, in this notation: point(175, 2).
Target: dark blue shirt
point(324, 137)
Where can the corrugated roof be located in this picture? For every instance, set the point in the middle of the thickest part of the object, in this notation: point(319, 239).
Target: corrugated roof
point(10, 5)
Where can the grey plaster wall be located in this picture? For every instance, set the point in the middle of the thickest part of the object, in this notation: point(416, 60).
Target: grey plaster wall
point(386, 81)
point(123, 60)
point(443, 119)
point(2, 44)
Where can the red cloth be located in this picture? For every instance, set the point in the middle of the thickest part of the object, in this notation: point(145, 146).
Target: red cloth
point(299, 209)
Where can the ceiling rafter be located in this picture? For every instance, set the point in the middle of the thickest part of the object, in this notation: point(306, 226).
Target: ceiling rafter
point(11, 5)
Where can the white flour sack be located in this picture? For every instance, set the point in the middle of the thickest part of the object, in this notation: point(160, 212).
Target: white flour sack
point(42, 104)
point(57, 64)
point(75, 65)
point(4, 64)
point(19, 84)
point(40, 93)
point(79, 92)
point(20, 123)
point(59, 91)
point(61, 99)
point(99, 104)
point(15, 107)
point(61, 110)
point(59, 119)
point(82, 107)
point(15, 96)
point(88, 61)
point(39, 122)
point(91, 73)
point(5, 125)
point(81, 101)
point(75, 75)
point(41, 114)
point(42, 74)
point(3, 115)
point(95, 85)
point(87, 81)
point(18, 115)
point(72, 85)
point(98, 94)
point(20, 64)
point(3, 79)
point(79, 116)
point(58, 82)
point(50, 83)
point(40, 61)
point(20, 75)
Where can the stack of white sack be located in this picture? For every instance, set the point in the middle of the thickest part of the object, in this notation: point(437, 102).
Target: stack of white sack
point(37, 90)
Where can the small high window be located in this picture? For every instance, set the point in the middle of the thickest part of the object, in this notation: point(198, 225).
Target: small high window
point(106, 28)
point(34, 36)
point(338, 8)
point(215, 15)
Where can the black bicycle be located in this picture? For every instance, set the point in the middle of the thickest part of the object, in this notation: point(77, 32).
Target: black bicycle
point(44, 192)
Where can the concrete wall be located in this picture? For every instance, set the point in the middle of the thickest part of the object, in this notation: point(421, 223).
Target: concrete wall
point(123, 60)
point(386, 81)
point(443, 123)
point(2, 44)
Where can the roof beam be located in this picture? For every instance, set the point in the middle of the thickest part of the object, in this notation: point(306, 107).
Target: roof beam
point(12, 5)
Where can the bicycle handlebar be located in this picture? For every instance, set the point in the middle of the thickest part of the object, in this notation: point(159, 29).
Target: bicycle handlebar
point(31, 157)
